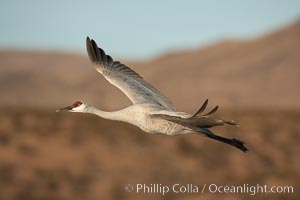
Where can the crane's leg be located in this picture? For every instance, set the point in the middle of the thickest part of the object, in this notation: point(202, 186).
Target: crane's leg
point(234, 142)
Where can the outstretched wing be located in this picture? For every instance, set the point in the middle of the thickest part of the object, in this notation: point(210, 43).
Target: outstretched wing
point(124, 78)
point(196, 120)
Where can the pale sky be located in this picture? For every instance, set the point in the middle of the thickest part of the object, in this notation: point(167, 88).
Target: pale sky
point(137, 29)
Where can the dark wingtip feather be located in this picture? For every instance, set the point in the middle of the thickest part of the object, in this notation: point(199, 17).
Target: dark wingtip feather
point(202, 108)
point(90, 50)
point(212, 111)
point(98, 56)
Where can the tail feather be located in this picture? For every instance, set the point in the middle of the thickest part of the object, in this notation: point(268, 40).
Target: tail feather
point(234, 142)
point(195, 121)
point(232, 123)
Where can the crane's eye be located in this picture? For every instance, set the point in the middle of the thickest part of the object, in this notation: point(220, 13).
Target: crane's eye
point(77, 103)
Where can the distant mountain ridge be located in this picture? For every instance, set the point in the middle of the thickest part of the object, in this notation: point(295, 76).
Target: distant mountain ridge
point(258, 73)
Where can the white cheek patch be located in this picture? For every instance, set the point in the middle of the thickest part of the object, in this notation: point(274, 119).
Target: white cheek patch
point(79, 108)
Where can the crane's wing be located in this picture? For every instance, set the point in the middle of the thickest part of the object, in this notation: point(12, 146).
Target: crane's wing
point(196, 120)
point(124, 78)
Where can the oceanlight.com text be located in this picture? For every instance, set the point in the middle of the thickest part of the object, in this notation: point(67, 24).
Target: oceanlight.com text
point(206, 188)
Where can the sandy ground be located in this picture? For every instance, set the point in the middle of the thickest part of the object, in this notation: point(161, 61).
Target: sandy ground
point(48, 155)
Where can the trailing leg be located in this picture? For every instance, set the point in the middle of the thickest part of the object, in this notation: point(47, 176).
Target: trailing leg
point(234, 142)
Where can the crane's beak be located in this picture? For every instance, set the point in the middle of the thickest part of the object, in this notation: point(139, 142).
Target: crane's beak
point(68, 108)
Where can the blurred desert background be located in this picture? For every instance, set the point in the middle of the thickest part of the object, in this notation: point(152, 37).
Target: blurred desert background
point(46, 155)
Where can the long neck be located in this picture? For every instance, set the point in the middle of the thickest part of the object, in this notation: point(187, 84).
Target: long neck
point(115, 115)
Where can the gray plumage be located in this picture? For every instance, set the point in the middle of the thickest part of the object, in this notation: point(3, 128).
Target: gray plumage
point(151, 110)
point(127, 80)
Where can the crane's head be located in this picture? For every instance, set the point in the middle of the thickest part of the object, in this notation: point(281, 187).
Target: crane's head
point(77, 106)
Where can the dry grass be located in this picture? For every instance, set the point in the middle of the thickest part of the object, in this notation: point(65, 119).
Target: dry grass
point(45, 155)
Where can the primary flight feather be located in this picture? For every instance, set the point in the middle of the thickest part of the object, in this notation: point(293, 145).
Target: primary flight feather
point(151, 110)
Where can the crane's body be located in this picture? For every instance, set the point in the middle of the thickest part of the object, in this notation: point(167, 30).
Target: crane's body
point(140, 116)
point(151, 110)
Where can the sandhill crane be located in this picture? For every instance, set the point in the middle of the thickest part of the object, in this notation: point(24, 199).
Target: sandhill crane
point(151, 110)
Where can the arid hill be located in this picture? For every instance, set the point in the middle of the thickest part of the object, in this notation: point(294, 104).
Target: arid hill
point(48, 155)
point(261, 72)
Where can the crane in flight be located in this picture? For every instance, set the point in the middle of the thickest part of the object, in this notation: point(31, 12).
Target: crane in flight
point(151, 110)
